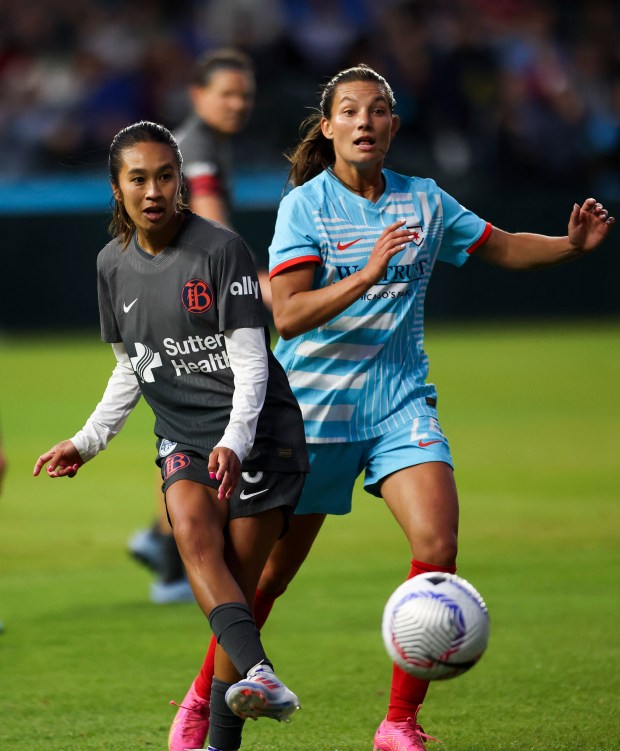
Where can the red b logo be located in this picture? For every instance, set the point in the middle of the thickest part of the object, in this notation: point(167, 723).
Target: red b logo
point(174, 463)
point(197, 296)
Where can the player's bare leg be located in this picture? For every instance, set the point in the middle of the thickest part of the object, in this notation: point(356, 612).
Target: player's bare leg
point(424, 501)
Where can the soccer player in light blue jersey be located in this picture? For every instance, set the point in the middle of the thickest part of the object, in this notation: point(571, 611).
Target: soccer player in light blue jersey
point(352, 255)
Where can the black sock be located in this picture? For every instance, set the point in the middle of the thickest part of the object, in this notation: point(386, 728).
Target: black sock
point(171, 565)
point(235, 630)
point(224, 726)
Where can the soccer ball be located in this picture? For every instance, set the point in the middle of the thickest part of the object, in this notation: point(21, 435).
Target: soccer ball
point(435, 626)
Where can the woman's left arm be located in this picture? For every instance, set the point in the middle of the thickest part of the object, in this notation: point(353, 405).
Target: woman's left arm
point(588, 226)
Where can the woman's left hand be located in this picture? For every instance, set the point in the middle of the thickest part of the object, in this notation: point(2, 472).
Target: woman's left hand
point(589, 225)
point(224, 465)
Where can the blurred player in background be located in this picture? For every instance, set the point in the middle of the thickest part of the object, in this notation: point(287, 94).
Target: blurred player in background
point(222, 90)
point(351, 258)
point(231, 445)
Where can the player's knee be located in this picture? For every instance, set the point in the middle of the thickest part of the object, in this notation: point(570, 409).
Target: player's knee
point(194, 541)
point(275, 578)
point(440, 550)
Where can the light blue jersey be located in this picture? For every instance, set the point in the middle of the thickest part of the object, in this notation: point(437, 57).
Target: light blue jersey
point(364, 372)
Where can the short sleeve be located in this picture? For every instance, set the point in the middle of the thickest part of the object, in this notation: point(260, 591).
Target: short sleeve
point(202, 163)
point(109, 327)
point(294, 239)
point(464, 231)
point(239, 299)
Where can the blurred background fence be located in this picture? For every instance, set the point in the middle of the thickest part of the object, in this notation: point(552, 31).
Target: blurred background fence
point(513, 106)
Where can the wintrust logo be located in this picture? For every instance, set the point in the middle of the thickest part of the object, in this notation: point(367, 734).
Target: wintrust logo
point(247, 286)
point(145, 362)
point(396, 273)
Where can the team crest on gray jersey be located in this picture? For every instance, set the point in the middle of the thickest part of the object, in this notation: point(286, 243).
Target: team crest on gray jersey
point(166, 447)
point(197, 296)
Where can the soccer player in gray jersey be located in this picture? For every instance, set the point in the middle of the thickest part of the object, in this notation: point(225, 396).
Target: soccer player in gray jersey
point(221, 92)
point(180, 304)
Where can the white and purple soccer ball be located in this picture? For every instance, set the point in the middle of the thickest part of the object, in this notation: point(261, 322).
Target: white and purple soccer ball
point(435, 626)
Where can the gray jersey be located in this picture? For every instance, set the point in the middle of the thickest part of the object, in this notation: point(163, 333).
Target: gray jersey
point(207, 160)
point(169, 311)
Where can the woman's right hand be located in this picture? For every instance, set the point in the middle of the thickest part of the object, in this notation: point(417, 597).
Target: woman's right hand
point(224, 466)
point(392, 240)
point(63, 460)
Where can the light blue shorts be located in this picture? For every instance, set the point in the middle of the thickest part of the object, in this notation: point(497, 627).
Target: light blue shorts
point(334, 467)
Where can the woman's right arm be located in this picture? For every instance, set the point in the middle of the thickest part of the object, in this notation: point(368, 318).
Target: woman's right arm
point(298, 308)
point(119, 398)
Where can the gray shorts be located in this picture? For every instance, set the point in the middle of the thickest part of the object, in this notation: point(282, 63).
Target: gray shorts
point(255, 491)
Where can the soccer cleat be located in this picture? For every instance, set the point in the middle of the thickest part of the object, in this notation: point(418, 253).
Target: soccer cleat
point(401, 736)
point(146, 547)
point(190, 726)
point(165, 593)
point(262, 694)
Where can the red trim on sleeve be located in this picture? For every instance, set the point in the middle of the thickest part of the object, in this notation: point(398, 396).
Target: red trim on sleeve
point(205, 185)
point(293, 262)
point(482, 239)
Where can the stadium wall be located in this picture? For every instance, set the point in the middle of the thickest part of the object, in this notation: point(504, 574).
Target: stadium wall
point(49, 275)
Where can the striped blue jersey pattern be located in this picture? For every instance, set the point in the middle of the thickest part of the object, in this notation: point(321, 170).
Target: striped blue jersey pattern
point(364, 372)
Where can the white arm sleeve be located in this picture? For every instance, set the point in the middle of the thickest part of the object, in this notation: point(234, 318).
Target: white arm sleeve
point(119, 398)
point(247, 353)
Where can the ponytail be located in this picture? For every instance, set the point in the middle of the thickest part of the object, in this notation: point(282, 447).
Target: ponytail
point(313, 154)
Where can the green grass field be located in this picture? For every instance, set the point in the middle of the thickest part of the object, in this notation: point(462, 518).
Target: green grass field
point(533, 414)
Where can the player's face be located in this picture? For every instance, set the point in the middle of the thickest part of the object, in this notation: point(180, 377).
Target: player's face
point(148, 186)
point(361, 124)
point(226, 102)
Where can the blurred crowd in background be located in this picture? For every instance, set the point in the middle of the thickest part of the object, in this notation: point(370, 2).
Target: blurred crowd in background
point(503, 92)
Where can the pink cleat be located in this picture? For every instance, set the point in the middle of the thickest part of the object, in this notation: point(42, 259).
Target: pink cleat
point(190, 726)
point(401, 736)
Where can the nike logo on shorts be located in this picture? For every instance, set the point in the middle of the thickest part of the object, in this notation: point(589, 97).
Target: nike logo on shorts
point(127, 308)
point(244, 496)
point(424, 444)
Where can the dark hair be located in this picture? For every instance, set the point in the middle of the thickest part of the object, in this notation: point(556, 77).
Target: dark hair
point(314, 152)
point(121, 225)
point(226, 58)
